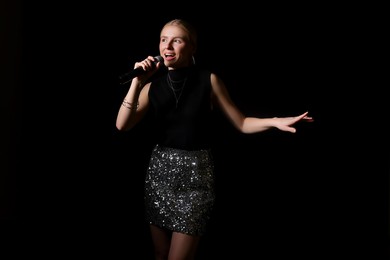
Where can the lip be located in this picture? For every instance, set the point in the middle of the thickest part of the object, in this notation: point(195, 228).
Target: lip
point(169, 57)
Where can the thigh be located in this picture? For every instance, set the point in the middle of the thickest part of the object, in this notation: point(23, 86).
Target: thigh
point(161, 241)
point(183, 246)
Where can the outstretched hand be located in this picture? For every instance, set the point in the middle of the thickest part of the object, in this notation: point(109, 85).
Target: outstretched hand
point(286, 123)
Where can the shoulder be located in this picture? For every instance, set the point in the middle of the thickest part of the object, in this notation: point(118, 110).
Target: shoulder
point(201, 74)
point(196, 70)
point(209, 74)
point(206, 75)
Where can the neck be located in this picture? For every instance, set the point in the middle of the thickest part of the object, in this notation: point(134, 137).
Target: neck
point(178, 74)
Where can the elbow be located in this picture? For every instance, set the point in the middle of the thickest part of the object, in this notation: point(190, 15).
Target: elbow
point(121, 127)
point(125, 124)
point(245, 130)
point(241, 129)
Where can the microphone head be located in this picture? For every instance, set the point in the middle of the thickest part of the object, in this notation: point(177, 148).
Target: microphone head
point(158, 59)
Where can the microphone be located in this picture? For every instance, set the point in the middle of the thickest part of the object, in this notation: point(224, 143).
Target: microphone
point(137, 71)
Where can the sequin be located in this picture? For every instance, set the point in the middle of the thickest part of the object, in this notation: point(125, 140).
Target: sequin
point(179, 189)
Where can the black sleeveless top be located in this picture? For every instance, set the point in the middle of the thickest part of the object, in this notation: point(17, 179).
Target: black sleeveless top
point(182, 119)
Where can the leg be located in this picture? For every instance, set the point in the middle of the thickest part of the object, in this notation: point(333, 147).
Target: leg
point(183, 247)
point(161, 240)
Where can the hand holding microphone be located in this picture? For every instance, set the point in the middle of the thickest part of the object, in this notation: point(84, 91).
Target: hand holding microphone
point(141, 68)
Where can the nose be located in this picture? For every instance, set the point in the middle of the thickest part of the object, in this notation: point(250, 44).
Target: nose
point(169, 45)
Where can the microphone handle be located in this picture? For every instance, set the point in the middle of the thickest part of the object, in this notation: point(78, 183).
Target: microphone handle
point(137, 71)
point(134, 73)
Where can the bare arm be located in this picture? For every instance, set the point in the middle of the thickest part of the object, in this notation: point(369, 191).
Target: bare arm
point(134, 106)
point(136, 102)
point(250, 124)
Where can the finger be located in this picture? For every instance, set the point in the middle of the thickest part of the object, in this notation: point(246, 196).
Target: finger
point(304, 114)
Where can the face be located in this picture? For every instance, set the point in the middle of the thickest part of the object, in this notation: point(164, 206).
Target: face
point(175, 47)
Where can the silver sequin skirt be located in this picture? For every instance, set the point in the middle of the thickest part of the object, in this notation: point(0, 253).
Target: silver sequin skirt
point(179, 190)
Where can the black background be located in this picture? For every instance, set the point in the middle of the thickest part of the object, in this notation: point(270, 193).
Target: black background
point(72, 183)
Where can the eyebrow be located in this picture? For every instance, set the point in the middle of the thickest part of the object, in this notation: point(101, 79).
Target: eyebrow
point(175, 37)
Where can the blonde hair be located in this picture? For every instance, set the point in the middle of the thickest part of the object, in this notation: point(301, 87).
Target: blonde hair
point(191, 31)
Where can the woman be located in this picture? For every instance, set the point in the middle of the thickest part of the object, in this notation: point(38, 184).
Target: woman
point(179, 184)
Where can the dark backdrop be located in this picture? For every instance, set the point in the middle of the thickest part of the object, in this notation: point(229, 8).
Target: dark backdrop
point(73, 183)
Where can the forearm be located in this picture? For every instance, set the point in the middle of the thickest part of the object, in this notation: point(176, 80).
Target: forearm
point(255, 125)
point(126, 117)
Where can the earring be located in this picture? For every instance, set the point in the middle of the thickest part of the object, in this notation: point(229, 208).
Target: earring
point(193, 59)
